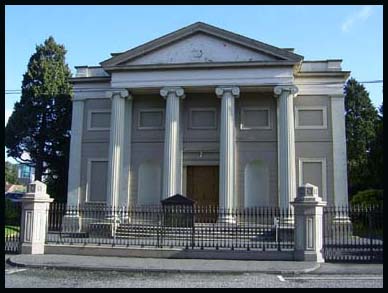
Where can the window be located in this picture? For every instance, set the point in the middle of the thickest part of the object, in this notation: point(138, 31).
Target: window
point(151, 119)
point(310, 117)
point(313, 171)
point(97, 174)
point(203, 118)
point(255, 118)
point(98, 120)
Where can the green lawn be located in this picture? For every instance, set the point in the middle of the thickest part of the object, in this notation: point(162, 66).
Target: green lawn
point(11, 230)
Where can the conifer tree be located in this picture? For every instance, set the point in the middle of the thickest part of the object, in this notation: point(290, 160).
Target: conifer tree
point(361, 118)
point(41, 120)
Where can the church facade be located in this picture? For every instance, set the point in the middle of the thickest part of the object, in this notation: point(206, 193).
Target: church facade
point(223, 119)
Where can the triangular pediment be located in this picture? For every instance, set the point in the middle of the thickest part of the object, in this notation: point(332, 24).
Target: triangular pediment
point(201, 48)
point(200, 43)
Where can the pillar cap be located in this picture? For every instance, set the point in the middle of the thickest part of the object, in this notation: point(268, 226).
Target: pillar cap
point(308, 193)
point(178, 91)
point(234, 90)
point(292, 89)
point(36, 191)
point(123, 93)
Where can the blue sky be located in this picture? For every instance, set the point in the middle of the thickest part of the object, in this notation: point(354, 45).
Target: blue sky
point(91, 33)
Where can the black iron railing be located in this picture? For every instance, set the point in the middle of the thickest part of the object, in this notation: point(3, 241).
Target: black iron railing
point(353, 234)
point(190, 227)
point(12, 221)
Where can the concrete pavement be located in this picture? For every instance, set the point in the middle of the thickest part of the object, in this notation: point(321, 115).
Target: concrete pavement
point(135, 264)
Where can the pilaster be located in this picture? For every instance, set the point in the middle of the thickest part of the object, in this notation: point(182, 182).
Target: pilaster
point(72, 219)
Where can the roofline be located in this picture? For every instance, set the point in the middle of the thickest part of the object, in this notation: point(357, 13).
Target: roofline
point(205, 28)
point(325, 60)
point(87, 66)
point(344, 74)
point(89, 79)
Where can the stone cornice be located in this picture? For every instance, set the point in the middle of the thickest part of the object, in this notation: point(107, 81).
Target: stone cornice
point(221, 90)
point(89, 79)
point(177, 91)
point(342, 74)
point(201, 65)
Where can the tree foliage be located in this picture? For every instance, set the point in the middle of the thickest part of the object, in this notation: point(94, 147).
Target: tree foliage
point(11, 173)
point(40, 122)
point(368, 197)
point(361, 118)
point(375, 160)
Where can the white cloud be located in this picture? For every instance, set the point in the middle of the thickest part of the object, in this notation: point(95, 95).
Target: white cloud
point(7, 114)
point(359, 16)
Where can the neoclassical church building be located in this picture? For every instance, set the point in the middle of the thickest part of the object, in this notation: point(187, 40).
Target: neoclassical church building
point(220, 118)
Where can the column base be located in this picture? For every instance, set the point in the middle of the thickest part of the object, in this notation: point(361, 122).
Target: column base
point(32, 248)
point(286, 221)
point(226, 219)
point(71, 223)
point(342, 227)
point(342, 220)
point(306, 255)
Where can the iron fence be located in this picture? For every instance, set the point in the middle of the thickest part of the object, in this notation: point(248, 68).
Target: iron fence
point(12, 221)
point(353, 234)
point(189, 227)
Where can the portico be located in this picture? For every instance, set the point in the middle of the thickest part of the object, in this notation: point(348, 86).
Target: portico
point(202, 96)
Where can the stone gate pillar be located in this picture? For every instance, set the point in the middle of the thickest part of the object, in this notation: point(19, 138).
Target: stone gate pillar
point(34, 224)
point(308, 235)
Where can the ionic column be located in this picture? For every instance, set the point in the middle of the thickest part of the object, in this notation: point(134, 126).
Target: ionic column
point(116, 143)
point(286, 144)
point(172, 147)
point(227, 148)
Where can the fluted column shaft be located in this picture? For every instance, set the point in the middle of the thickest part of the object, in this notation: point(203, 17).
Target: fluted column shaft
point(172, 145)
point(227, 145)
point(286, 147)
point(116, 144)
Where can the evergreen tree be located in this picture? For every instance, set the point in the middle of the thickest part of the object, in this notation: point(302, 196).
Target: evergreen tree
point(40, 122)
point(376, 162)
point(361, 118)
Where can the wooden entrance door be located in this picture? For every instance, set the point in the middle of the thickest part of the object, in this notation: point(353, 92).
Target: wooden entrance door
point(202, 184)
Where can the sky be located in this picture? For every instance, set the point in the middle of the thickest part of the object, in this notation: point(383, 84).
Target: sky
point(353, 33)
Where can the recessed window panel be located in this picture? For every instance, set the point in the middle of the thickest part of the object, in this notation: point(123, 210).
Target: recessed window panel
point(255, 118)
point(151, 119)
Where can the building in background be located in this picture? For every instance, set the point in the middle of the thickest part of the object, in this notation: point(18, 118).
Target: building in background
point(26, 174)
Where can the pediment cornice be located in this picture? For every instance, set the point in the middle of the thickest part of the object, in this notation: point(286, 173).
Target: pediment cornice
point(120, 59)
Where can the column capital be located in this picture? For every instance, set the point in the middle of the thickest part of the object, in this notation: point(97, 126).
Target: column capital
point(177, 91)
point(292, 89)
point(221, 90)
point(123, 93)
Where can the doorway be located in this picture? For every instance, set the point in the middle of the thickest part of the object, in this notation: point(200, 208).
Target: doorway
point(203, 185)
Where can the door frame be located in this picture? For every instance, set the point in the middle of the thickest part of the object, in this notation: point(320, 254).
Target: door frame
point(195, 163)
